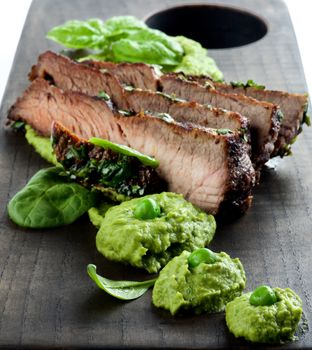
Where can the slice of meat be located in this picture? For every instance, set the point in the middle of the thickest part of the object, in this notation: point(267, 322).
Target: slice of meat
point(64, 73)
point(117, 175)
point(185, 111)
point(292, 105)
point(42, 103)
point(264, 117)
point(70, 75)
point(209, 169)
point(139, 75)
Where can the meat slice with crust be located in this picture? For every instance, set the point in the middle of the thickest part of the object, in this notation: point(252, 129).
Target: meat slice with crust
point(64, 73)
point(293, 106)
point(139, 75)
point(117, 175)
point(264, 117)
point(211, 170)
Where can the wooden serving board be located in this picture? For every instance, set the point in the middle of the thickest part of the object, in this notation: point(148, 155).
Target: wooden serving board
point(47, 299)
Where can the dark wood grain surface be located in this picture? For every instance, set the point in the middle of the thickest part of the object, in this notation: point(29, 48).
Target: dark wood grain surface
point(46, 297)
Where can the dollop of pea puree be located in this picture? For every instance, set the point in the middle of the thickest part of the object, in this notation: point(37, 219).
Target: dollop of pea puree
point(263, 317)
point(206, 286)
point(130, 235)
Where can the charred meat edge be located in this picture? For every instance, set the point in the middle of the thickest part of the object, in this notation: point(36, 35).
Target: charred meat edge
point(57, 67)
point(63, 141)
point(262, 151)
point(292, 105)
point(290, 126)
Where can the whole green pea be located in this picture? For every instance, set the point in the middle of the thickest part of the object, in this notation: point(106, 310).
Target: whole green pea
point(263, 296)
point(146, 209)
point(201, 255)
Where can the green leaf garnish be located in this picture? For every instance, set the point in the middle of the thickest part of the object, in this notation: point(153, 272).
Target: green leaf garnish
point(123, 38)
point(50, 200)
point(125, 113)
point(80, 34)
point(249, 83)
point(224, 131)
point(18, 125)
point(124, 290)
point(144, 159)
point(104, 95)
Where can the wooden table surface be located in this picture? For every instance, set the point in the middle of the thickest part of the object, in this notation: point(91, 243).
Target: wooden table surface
point(47, 299)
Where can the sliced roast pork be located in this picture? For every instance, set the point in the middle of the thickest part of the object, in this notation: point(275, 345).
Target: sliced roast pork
point(69, 75)
point(211, 170)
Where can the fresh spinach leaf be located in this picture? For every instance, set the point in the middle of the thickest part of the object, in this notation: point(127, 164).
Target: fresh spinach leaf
point(50, 200)
point(124, 290)
point(144, 159)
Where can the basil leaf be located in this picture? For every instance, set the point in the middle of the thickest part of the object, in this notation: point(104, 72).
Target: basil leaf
point(154, 35)
point(149, 46)
point(123, 25)
point(50, 200)
point(151, 52)
point(124, 290)
point(80, 34)
point(144, 159)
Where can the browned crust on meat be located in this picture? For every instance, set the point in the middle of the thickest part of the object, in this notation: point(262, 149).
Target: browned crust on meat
point(186, 108)
point(239, 172)
point(242, 176)
point(261, 152)
point(293, 119)
point(50, 65)
point(242, 179)
point(42, 91)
